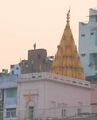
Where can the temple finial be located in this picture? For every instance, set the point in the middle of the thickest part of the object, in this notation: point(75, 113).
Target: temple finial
point(68, 16)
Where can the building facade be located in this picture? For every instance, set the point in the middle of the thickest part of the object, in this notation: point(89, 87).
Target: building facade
point(47, 95)
point(15, 69)
point(8, 97)
point(1, 103)
point(38, 61)
point(94, 98)
point(88, 44)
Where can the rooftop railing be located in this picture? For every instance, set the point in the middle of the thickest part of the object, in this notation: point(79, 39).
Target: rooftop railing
point(55, 77)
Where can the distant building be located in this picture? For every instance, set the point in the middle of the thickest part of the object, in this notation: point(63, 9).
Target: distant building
point(88, 45)
point(8, 97)
point(38, 61)
point(4, 72)
point(15, 69)
point(1, 103)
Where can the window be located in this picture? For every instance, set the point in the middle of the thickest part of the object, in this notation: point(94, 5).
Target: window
point(1, 95)
point(92, 33)
point(93, 61)
point(96, 17)
point(11, 112)
point(93, 103)
point(17, 68)
point(12, 66)
point(11, 92)
point(12, 72)
point(96, 38)
point(63, 113)
point(83, 54)
point(82, 35)
point(79, 111)
point(31, 110)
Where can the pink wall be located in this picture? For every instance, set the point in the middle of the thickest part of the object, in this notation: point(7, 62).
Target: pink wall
point(53, 95)
point(94, 98)
point(70, 96)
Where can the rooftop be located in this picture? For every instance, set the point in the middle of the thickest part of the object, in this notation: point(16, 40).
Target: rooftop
point(54, 78)
point(8, 81)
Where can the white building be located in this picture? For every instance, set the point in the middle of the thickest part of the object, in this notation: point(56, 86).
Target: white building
point(15, 69)
point(88, 44)
point(46, 95)
point(8, 84)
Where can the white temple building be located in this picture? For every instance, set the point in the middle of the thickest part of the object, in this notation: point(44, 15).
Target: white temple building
point(63, 92)
point(46, 95)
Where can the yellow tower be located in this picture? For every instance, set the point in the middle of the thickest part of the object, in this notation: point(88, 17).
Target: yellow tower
point(67, 61)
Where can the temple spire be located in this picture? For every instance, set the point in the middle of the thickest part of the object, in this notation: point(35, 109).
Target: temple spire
point(67, 61)
point(68, 17)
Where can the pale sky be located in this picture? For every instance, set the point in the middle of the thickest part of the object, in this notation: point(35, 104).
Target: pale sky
point(25, 22)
